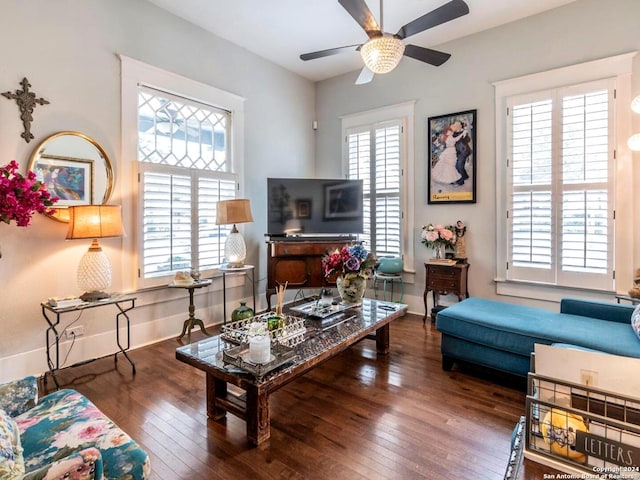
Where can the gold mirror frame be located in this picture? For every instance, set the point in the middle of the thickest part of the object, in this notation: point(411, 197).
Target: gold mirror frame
point(75, 168)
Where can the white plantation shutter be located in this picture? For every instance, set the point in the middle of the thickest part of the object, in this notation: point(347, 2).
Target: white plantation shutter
point(375, 156)
point(586, 231)
point(185, 168)
point(387, 190)
point(359, 153)
point(211, 237)
point(531, 201)
point(170, 242)
point(559, 210)
point(166, 223)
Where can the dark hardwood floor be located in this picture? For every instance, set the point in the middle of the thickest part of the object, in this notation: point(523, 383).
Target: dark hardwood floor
point(356, 416)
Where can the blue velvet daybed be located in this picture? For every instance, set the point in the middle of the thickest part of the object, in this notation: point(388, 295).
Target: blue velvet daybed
point(501, 335)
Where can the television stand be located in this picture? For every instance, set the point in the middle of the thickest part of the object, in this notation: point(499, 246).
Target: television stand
point(299, 262)
point(310, 238)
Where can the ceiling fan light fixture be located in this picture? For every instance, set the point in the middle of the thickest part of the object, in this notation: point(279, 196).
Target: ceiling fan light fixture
point(382, 54)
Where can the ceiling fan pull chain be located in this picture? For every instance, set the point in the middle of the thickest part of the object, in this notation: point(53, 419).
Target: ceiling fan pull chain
point(381, 17)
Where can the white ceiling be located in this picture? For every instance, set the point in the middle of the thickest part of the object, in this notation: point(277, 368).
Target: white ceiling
point(281, 30)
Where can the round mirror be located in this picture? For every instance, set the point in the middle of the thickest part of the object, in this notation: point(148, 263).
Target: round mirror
point(75, 168)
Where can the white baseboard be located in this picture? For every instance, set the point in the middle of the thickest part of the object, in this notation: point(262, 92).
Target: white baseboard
point(96, 346)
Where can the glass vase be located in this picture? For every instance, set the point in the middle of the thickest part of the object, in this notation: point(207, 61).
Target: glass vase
point(351, 290)
point(438, 252)
point(242, 312)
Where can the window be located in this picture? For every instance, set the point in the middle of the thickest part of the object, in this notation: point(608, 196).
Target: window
point(378, 145)
point(185, 168)
point(560, 194)
point(186, 155)
point(374, 157)
point(562, 177)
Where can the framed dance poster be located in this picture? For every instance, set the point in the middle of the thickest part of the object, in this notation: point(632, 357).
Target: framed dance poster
point(451, 161)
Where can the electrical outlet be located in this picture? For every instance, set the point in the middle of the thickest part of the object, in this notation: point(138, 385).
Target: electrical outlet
point(588, 377)
point(74, 332)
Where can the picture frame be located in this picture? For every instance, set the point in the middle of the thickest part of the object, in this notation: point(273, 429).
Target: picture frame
point(342, 201)
point(68, 178)
point(303, 208)
point(451, 158)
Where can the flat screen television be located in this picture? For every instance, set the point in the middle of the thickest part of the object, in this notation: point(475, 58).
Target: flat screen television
point(314, 207)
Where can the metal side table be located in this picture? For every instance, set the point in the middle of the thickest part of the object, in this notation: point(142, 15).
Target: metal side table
point(53, 315)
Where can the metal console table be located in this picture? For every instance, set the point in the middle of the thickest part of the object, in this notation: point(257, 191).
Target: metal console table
point(123, 303)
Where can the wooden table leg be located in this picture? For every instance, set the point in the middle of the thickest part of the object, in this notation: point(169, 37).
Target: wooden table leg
point(382, 340)
point(216, 388)
point(257, 417)
point(426, 312)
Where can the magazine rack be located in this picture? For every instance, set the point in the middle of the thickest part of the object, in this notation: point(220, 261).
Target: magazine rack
point(582, 430)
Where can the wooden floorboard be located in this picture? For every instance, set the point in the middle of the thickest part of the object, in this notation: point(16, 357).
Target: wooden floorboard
point(357, 416)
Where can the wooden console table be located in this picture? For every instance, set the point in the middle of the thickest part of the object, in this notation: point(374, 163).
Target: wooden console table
point(298, 262)
point(320, 344)
point(445, 279)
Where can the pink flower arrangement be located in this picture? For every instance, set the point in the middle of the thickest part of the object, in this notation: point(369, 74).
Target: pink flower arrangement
point(434, 236)
point(21, 197)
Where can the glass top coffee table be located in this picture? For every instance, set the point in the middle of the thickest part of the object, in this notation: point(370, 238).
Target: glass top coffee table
point(321, 340)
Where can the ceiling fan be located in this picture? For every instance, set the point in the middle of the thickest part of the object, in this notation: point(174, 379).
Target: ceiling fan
point(383, 51)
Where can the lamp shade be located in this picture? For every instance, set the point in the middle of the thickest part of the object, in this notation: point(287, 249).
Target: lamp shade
point(382, 54)
point(233, 211)
point(95, 221)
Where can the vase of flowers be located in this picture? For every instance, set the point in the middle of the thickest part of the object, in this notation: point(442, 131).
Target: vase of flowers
point(22, 196)
point(438, 238)
point(353, 265)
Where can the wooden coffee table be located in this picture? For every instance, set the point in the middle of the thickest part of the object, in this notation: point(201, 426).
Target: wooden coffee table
point(320, 344)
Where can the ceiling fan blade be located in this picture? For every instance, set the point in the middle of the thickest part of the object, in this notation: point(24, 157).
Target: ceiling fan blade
point(326, 53)
point(360, 12)
point(432, 57)
point(448, 11)
point(365, 76)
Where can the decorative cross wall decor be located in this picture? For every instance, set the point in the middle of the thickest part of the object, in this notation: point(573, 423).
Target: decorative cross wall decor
point(26, 101)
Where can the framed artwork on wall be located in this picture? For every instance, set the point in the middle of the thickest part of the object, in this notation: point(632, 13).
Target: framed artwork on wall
point(451, 158)
point(70, 179)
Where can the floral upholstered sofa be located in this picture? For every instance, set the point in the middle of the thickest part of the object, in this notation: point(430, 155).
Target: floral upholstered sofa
point(62, 436)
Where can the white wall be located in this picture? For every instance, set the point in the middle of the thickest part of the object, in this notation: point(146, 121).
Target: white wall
point(68, 51)
point(578, 32)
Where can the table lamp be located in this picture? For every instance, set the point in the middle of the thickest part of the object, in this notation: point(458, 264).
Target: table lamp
point(94, 221)
point(232, 212)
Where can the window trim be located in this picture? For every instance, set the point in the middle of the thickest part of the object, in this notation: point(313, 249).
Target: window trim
point(405, 113)
point(618, 67)
point(133, 74)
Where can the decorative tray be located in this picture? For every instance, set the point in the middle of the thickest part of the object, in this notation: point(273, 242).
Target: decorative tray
point(314, 309)
point(290, 331)
point(239, 357)
point(443, 261)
